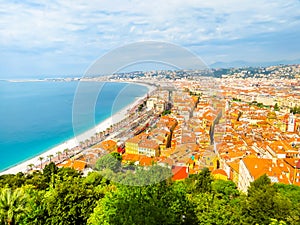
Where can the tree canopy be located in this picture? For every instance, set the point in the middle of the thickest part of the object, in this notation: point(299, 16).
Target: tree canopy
point(142, 196)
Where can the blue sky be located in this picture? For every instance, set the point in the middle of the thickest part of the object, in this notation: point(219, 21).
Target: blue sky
point(53, 38)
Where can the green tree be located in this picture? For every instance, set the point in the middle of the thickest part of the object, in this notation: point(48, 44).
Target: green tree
point(66, 151)
point(203, 181)
point(49, 171)
point(116, 156)
point(70, 202)
point(41, 159)
point(264, 203)
point(109, 161)
point(58, 154)
point(13, 205)
point(212, 209)
point(148, 205)
point(12, 180)
point(226, 190)
point(292, 193)
point(276, 107)
point(214, 202)
point(262, 183)
point(66, 174)
point(30, 166)
point(139, 176)
point(289, 191)
point(36, 215)
point(276, 222)
point(166, 112)
point(38, 180)
point(141, 106)
point(50, 157)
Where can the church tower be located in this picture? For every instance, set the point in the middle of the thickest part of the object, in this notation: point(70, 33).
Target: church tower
point(291, 123)
point(227, 106)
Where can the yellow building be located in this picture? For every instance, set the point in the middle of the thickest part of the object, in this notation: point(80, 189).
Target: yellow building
point(234, 171)
point(210, 160)
point(149, 148)
point(132, 144)
point(142, 145)
point(219, 174)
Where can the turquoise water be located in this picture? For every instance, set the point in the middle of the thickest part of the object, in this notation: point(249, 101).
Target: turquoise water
point(36, 116)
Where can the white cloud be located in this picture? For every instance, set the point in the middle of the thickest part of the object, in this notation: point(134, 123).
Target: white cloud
point(86, 27)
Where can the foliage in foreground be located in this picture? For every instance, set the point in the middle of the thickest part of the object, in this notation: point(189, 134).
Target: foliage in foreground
point(64, 196)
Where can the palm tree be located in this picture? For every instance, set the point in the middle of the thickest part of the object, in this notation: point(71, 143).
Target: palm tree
point(81, 144)
point(107, 130)
point(87, 141)
point(41, 158)
point(93, 138)
point(13, 205)
point(101, 134)
point(66, 151)
point(30, 166)
point(73, 151)
point(50, 157)
point(58, 154)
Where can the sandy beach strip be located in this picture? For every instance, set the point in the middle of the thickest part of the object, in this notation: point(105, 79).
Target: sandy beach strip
point(71, 143)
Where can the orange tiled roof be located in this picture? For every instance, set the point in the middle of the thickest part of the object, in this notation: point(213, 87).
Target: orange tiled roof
point(106, 145)
point(150, 144)
point(235, 165)
point(258, 166)
point(75, 164)
point(219, 171)
point(180, 172)
point(146, 161)
point(130, 157)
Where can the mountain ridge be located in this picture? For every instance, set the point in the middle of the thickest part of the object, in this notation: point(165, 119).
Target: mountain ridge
point(242, 63)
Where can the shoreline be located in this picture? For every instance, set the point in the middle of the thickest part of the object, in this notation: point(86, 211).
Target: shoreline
point(75, 141)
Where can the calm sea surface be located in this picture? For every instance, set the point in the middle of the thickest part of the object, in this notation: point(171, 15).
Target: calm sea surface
point(36, 116)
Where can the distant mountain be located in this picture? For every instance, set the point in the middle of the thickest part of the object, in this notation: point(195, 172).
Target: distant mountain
point(241, 63)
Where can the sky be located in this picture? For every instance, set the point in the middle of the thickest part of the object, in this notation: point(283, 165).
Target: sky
point(54, 38)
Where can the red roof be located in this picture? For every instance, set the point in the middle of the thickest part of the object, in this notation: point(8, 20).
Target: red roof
point(121, 150)
point(180, 172)
point(298, 164)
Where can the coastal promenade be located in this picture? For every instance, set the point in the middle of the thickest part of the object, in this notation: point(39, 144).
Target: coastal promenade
point(109, 128)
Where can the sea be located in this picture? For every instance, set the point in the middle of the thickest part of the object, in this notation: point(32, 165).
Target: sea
point(37, 116)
